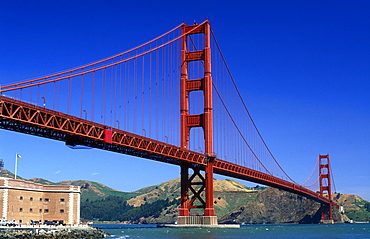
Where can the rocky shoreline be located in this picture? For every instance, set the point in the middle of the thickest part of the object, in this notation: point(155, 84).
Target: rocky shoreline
point(53, 233)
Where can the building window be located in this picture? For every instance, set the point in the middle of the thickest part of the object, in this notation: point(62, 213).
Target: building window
point(40, 211)
point(46, 200)
point(31, 209)
point(61, 211)
point(21, 209)
point(62, 200)
point(31, 198)
point(20, 221)
point(21, 198)
point(40, 199)
point(46, 210)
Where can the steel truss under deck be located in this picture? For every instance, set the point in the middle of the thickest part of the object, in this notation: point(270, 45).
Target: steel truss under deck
point(34, 120)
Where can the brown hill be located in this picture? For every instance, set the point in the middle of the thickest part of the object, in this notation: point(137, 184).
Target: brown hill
point(228, 195)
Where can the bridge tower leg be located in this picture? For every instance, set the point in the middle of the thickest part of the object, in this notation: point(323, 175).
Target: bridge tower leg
point(196, 183)
point(325, 188)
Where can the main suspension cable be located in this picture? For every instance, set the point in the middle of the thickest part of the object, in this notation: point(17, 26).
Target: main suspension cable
point(332, 178)
point(231, 117)
point(317, 163)
point(237, 128)
point(16, 86)
point(246, 109)
point(92, 64)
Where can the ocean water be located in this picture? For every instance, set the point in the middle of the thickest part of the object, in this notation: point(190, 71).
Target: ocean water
point(291, 231)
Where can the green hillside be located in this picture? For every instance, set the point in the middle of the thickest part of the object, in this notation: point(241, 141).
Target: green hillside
point(234, 202)
point(90, 191)
point(355, 208)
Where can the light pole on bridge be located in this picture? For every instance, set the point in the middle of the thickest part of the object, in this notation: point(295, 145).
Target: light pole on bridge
point(44, 101)
point(85, 111)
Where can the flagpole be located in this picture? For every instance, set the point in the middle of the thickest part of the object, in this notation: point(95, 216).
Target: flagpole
point(16, 164)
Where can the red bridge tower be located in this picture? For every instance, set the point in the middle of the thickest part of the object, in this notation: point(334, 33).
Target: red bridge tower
point(197, 183)
point(325, 188)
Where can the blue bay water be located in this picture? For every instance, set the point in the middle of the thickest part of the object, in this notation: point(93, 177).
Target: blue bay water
point(291, 231)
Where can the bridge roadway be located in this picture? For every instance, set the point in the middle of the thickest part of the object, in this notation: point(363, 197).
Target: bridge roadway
point(27, 118)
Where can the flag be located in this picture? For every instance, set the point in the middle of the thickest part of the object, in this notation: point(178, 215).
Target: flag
point(18, 156)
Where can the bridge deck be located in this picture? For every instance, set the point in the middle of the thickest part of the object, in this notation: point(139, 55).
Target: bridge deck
point(27, 118)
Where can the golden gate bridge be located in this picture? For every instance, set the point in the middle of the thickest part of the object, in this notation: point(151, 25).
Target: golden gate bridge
point(172, 99)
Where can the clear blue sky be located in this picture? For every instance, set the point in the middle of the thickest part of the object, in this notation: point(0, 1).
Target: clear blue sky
point(303, 68)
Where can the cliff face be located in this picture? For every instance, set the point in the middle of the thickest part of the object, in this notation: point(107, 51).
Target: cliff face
point(270, 206)
point(275, 206)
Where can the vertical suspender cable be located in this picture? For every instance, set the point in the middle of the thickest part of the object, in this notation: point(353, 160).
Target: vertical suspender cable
point(156, 92)
point(31, 99)
point(115, 90)
point(38, 95)
point(104, 89)
point(150, 93)
point(93, 95)
point(135, 95)
point(54, 94)
point(110, 92)
point(69, 96)
point(121, 94)
point(81, 93)
point(142, 94)
point(127, 103)
point(171, 100)
point(164, 94)
point(124, 104)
